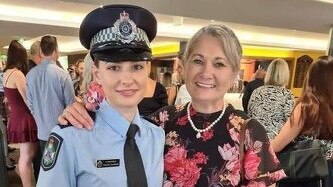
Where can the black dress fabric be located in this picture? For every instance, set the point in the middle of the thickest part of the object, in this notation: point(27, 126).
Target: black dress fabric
point(150, 105)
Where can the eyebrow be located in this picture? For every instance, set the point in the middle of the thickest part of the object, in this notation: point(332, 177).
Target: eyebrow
point(216, 58)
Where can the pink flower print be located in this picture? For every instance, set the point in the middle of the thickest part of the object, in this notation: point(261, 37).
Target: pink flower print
point(171, 138)
point(277, 175)
point(228, 152)
point(234, 135)
point(164, 116)
point(167, 184)
point(200, 158)
point(207, 135)
point(272, 153)
point(94, 96)
point(182, 121)
point(175, 158)
point(183, 171)
point(257, 146)
point(236, 121)
point(233, 165)
point(251, 164)
point(256, 184)
point(187, 175)
point(234, 178)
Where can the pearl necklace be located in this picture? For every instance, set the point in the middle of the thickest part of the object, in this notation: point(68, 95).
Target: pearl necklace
point(199, 131)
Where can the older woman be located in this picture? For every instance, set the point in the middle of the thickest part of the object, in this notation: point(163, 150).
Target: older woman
point(203, 137)
point(272, 103)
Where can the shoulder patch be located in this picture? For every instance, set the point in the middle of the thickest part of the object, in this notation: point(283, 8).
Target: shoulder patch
point(150, 120)
point(51, 151)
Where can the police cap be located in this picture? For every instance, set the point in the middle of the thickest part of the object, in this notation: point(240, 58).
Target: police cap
point(116, 33)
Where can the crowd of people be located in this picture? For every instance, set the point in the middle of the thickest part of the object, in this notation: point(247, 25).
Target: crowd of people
point(119, 127)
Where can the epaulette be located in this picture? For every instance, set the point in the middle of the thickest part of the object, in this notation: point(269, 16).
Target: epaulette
point(150, 120)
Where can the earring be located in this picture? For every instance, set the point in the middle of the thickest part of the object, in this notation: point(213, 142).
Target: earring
point(94, 96)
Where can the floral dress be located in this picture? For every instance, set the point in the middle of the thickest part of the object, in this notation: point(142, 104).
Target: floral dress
point(213, 158)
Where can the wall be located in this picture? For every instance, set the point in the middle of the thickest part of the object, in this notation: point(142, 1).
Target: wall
point(291, 55)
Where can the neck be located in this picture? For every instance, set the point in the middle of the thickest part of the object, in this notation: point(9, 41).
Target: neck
point(128, 112)
point(208, 107)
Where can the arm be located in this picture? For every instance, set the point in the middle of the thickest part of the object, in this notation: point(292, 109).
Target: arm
point(68, 91)
point(77, 115)
point(29, 96)
point(288, 133)
point(172, 91)
point(246, 97)
point(20, 83)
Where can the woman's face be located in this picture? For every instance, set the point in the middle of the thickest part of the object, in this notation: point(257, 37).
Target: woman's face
point(124, 83)
point(79, 69)
point(208, 74)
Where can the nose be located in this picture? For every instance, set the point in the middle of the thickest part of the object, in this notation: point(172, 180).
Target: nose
point(126, 77)
point(207, 70)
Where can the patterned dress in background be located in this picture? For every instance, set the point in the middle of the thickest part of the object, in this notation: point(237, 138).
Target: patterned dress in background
point(213, 159)
point(271, 106)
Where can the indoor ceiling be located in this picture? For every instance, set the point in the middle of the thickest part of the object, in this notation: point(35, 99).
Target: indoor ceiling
point(298, 24)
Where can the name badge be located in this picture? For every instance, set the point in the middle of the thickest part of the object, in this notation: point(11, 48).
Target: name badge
point(107, 163)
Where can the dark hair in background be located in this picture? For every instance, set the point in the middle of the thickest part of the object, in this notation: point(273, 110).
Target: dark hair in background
point(317, 99)
point(48, 45)
point(17, 57)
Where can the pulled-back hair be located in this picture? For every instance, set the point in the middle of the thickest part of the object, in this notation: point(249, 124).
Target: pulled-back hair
point(317, 99)
point(17, 57)
point(229, 43)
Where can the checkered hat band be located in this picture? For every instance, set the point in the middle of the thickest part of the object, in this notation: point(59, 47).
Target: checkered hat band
point(112, 35)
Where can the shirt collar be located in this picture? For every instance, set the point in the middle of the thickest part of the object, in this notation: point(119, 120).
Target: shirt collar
point(117, 121)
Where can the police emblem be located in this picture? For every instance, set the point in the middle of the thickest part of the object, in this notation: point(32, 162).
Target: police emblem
point(51, 151)
point(125, 28)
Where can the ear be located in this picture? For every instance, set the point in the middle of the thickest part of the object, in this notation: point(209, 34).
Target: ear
point(96, 74)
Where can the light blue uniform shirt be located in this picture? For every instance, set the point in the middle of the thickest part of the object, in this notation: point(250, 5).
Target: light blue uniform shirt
point(80, 151)
point(49, 91)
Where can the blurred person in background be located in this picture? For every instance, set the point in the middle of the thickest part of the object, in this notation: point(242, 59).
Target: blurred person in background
point(254, 84)
point(49, 90)
point(22, 127)
point(155, 96)
point(78, 82)
point(312, 116)
point(272, 103)
point(35, 57)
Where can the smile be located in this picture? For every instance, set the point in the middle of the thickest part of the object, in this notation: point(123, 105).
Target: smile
point(127, 92)
point(205, 85)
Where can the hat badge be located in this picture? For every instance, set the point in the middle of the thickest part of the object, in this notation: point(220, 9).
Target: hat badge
point(125, 28)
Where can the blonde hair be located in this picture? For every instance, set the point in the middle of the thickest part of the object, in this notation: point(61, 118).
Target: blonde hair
point(277, 73)
point(229, 43)
point(87, 72)
point(34, 49)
